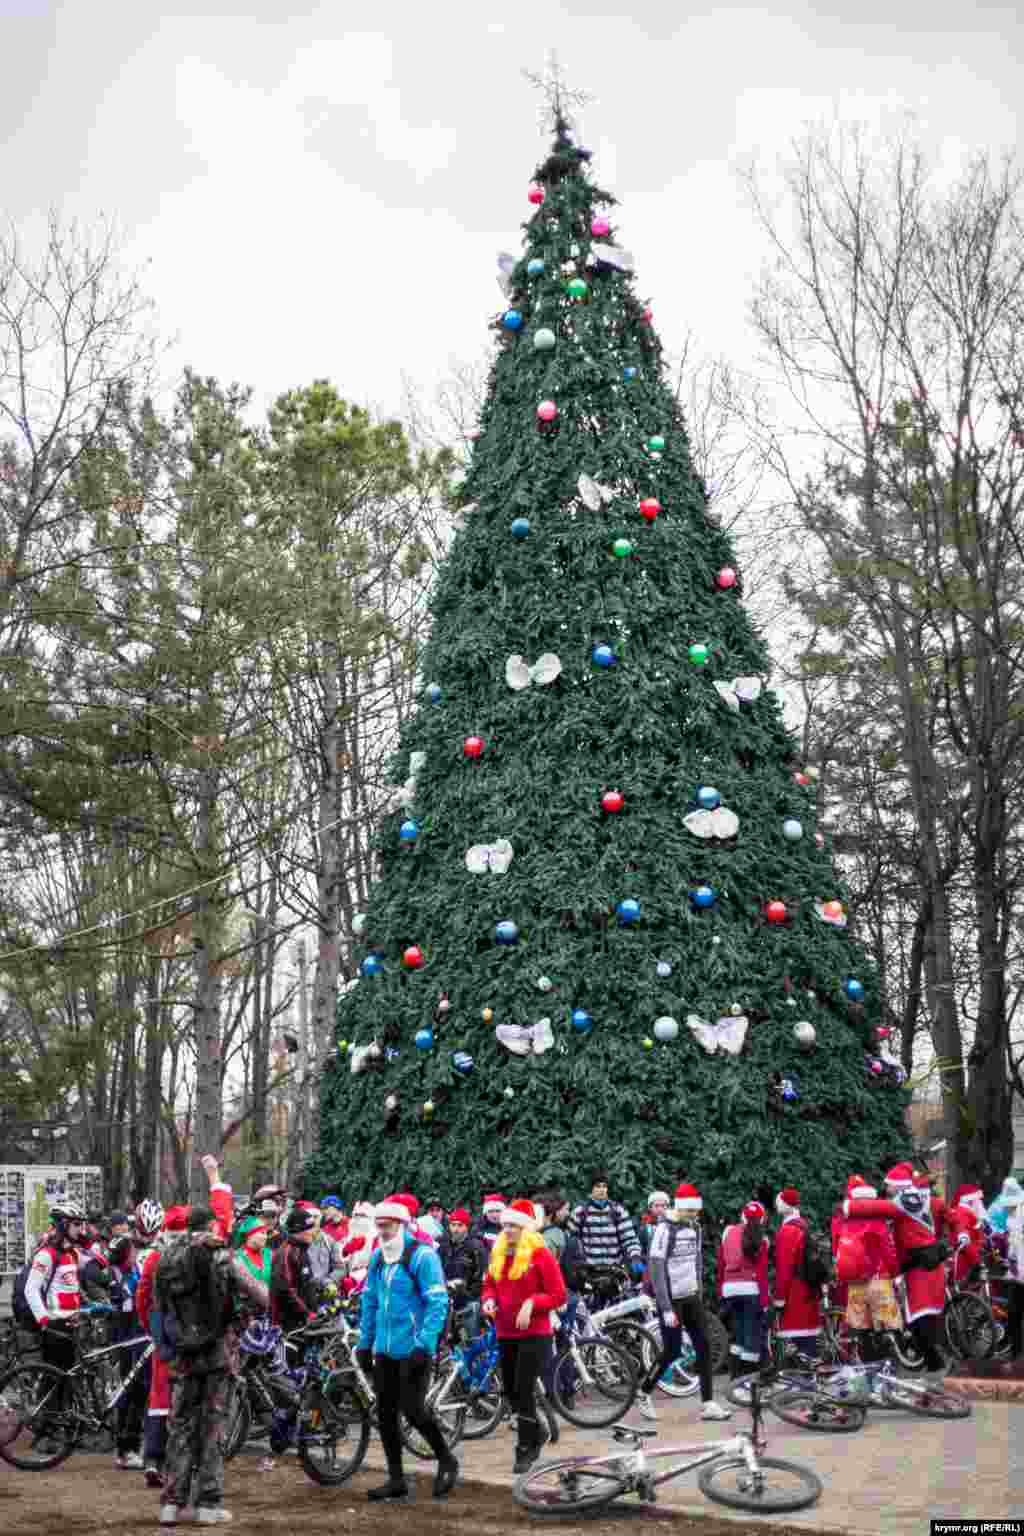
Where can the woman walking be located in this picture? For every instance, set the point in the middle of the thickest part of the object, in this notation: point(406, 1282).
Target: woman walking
point(743, 1283)
point(522, 1288)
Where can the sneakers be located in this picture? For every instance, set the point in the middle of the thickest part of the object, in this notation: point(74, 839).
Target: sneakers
point(645, 1407)
point(394, 1488)
point(154, 1476)
point(170, 1514)
point(741, 1394)
point(713, 1410)
point(131, 1461)
point(213, 1514)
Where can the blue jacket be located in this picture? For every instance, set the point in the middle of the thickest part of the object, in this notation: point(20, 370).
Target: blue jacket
point(403, 1308)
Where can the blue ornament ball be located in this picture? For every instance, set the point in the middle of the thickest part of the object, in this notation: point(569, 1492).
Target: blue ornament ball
point(703, 896)
point(854, 989)
point(708, 798)
point(512, 320)
point(628, 374)
point(372, 965)
point(603, 656)
point(433, 693)
point(424, 1039)
point(409, 831)
point(506, 932)
point(534, 267)
point(519, 528)
point(628, 912)
point(582, 1023)
point(462, 1061)
point(790, 1089)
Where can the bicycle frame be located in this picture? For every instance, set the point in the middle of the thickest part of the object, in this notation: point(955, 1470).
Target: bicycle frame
point(636, 1464)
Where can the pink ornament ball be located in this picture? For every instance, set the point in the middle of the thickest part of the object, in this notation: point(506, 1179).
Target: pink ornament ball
point(647, 316)
point(775, 911)
point(547, 410)
point(726, 578)
point(536, 195)
point(599, 227)
point(819, 841)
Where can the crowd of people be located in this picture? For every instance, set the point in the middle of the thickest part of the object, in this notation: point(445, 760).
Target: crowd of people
point(192, 1278)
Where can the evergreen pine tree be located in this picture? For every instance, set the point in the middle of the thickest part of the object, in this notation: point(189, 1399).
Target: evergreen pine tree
point(645, 930)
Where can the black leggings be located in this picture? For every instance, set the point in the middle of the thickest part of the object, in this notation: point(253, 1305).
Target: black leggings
point(690, 1312)
point(926, 1332)
point(1015, 1318)
point(401, 1388)
point(522, 1361)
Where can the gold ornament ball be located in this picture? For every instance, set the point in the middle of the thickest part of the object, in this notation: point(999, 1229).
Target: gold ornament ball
point(487, 1015)
point(428, 1107)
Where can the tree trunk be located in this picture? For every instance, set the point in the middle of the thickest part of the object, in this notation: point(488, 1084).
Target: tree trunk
point(208, 939)
point(325, 980)
point(989, 1127)
point(151, 1096)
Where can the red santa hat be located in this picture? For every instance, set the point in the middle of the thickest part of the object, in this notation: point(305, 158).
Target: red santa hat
point(787, 1200)
point(176, 1218)
point(753, 1211)
point(859, 1189)
point(519, 1214)
point(922, 1181)
point(688, 1198)
point(493, 1205)
point(411, 1204)
point(307, 1205)
point(460, 1214)
point(394, 1208)
point(900, 1177)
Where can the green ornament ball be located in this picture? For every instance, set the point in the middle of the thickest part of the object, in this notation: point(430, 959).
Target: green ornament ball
point(698, 654)
point(621, 548)
point(576, 288)
point(656, 444)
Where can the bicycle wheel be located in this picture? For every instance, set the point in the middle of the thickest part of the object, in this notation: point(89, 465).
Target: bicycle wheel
point(334, 1431)
point(450, 1415)
point(775, 1487)
point(44, 1432)
point(238, 1419)
point(718, 1342)
point(970, 1328)
point(483, 1413)
point(909, 1357)
point(813, 1410)
point(550, 1432)
point(642, 1346)
point(594, 1384)
point(918, 1397)
point(575, 1487)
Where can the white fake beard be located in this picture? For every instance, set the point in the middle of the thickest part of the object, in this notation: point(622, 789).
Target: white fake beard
point(392, 1249)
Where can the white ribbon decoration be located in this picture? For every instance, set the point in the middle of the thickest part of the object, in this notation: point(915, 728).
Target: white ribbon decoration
point(614, 256)
point(521, 1039)
point(403, 797)
point(506, 266)
point(519, 674)
point(726, 1035)
point(742, 690)
point(489, 858)
point(720, 823)
point(363, 1055)
point(592, 494)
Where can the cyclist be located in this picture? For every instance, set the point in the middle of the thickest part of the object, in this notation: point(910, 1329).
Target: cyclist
point(867, 1264)
point(657, 1207)
point(128, 1256)
point(964, 1220)
point(464, 1261)
point(52, 1289)
point(488, 1229)
point(676, 1267)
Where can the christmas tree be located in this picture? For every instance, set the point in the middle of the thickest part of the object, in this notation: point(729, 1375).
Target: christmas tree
point(606, 931)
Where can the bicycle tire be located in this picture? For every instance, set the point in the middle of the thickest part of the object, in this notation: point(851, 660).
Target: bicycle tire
point(20, 1392)
point(551, 1488)
point(640, 1344)
point(483, 1413)
point(547, 1413)
point(928, 1402)
point(718, 1342)
point(970, 1328)
point(451, 1420)
point(237, 1420)
point(818, 1411)
point(907, 1353)
point(810, 1485)
point(608, 1394)
point(331, 1413)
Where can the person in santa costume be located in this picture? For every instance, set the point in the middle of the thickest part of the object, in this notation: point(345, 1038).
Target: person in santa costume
point(743, 1284)
point(921, 1254)
point(358, 1246)
point(488, 1228)
point(867, 1263)
point(798, 1305)
point(965, 1231)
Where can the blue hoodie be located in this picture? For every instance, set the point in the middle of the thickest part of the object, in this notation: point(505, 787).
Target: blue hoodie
point(403, 1308)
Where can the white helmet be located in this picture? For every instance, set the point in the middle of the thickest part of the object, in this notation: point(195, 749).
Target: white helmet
point(67, 1210)
point(149, 1218)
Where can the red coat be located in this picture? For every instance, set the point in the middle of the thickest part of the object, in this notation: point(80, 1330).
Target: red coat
point(542, 1281)
point(879, 1243)
point(911, 1214)
point(961, 1221)
point(337, 1231)
point(837, 1289)
point(738, 1275)
point(801, 1316)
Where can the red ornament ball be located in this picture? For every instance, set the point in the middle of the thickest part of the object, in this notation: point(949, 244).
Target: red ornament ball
point(647, 316)
point(412, 958)
point(472, 746)
point(612, 801)
point(547, 410)
point(649, 508)
point(726, 578)
point(882, 1032)
point(599, 227)
point(801, 778)
point(536, 195)
point(775, 911)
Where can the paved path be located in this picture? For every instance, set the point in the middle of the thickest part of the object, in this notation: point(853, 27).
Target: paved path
point(888, 1479)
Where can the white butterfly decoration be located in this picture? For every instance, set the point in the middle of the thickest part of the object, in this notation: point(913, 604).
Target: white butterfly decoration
point(521, 1039)
point(363, 1055)
point(519, 674)
point(742, 690)
point(592, 494)
point(492, 858)
point(830, 917)
point(506, 266)
point(613, 256)
point(404, 795)
point(726, 1035)
point(720, 823)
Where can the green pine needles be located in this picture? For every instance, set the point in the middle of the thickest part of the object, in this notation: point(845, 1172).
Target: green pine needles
point(650, 724)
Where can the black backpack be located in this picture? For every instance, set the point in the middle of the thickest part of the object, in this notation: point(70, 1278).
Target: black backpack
point(814, 1265)
point(192, 1297)
point(23, 1314)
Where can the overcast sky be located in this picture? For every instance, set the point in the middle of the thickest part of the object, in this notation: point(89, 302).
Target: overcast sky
point(321, 191)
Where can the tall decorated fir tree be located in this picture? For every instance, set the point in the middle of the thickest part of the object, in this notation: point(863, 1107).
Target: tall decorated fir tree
point(606, 930)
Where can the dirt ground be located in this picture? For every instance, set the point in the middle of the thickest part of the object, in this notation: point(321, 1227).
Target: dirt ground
point(87, 1495)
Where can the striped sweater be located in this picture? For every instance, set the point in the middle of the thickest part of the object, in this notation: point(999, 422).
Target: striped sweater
point(605, 1233)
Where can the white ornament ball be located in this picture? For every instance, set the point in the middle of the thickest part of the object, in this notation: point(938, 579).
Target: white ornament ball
point(359, 923)
point(804, 1034)
point(510, 1092)
point(544, 339)
point(391, 1103)
point(736, 1010)
point(717, 939)
point(666, 1028)
point(544, 984)
point(663, 968)
point(792, 830)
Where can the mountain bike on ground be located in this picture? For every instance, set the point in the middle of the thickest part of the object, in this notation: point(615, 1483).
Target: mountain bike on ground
point(732, 1472)
point(812, 1395)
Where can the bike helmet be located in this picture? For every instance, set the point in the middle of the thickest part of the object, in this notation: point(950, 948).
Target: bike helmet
point(67, 1210)
point(149, 1218)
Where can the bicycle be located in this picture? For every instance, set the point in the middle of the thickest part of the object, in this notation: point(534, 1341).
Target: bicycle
point(732, 1472)
point(49, 1412)
point(972, 1332)
point(634, 1324)
point(469, 1381)
point(594, 1381)
point(816, 1397)
point(882, 1388)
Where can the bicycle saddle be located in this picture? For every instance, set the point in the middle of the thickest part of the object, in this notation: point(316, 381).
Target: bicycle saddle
point(632, 1432)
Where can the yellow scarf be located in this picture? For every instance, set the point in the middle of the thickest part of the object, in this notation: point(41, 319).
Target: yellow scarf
point(525, 1249)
